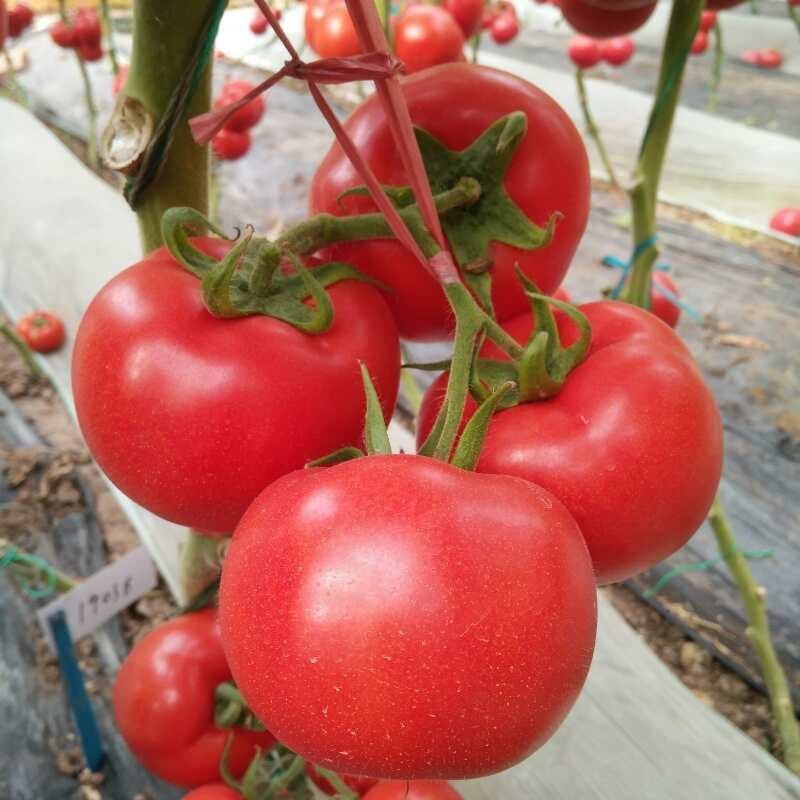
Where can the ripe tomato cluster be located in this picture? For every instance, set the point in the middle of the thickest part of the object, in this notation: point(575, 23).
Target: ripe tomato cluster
point(18, 19)
point(586, 52)
point(396, 621)
point(233, 141)
point(81, 32)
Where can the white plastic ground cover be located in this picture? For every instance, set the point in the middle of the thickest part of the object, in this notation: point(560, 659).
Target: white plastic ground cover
point(636, 732)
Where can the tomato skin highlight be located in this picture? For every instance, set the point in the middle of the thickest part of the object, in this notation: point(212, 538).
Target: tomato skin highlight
point(549, 173)
point(632, 445)
point(467, 619)
point(164, 703)
point(425, 36)
point(213, 791)
point(193, 416)
point(42, 331)
point(413, 790)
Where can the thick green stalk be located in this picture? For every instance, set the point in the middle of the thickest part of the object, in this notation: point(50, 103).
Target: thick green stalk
point(683, 25)
point(165, 35)
point(591, 126)
point(754, 597)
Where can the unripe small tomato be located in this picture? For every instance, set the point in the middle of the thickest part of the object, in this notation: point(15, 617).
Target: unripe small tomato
point(617, 51)
point(230, 145)
point(584, 51)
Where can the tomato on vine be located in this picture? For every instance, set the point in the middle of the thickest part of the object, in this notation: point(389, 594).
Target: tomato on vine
point(605, 18)
point(584, 51)
point(231, 145)
point(618, 50)
point(330, 30)
point(425, 36)
point(467, 13)
point(248, 115)
point(43, 331)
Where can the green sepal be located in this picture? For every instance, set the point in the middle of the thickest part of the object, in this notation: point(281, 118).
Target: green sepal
point(428, 447)
point(376, 437)
point(471, 442)
point(336, 457)
point(174, 223)
point(401, 196)
point(493, 374)
point(428, 366)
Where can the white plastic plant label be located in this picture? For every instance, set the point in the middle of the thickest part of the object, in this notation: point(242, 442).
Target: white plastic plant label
point(102, 595)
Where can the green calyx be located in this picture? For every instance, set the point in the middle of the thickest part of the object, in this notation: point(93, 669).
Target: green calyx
point(231, 710)
point(277, 773)
point(256, 276)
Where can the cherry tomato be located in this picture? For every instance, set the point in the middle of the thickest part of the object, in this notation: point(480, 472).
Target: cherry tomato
point(787, 221)
point(42, 331)
point(192, 416)
point(604, 20)
point(632, 445)
point(584, 51)
point(413, 790)
point(660, 304)
point(330, 30)
point(700, 43)
point(62, 34)
point(617, 51)
point(549, 173)
point(164, 703)
point(87, 30)
point(258, 23)
point(90, 52)
point(19, 19)
point(467, 13)
point(213, 791)
point(119, 79)
point(370, 641)
point(770, 59)
point(707, 20)
point(505, 28)
point(355, 783)
point(750, 57)
point(247, 116)
point(425, 36)
point(230, 145)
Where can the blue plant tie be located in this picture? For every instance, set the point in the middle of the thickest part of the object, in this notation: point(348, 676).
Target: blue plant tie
point(88, 731)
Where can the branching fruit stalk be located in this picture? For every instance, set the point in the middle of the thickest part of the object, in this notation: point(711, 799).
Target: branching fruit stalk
point(591, 126)
point(164, 37)
point(758, 631)
point(683, 26)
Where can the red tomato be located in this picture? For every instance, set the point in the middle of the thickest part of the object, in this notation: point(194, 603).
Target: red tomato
point(62, 34)
point(90, 52)
point(87, 30)
point(247, 116)
point(19, 18)
point(355, 783)
point(258, 23)
point(584, 51)
point(770, 59)
point(549, 173)
point(617, 51)
point(119, 79)
point(636, 461)
point(700, 43)
point(751, 56)
point(213, 791)
point(606, 20)
point(707, 20)
point(787, 221)
point(505, 27)
point(192, 416)
point(164, 703)
point(467, 13)
point(3, 24)
point(413, 790)
point(371, 640)
point(425, 36)
point(329, 29)
point(230, 145)
point(42, 331)
point(660, 304)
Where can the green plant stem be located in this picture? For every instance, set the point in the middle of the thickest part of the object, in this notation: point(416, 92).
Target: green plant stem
point(475, 46)
point(201, 563)
point(29, 571)
point(716, 67)
point(758, 632)
point(684, 23)
point(794, 14)
point(25, 352)
point(164, 37)
point(591, 126)
point(105, 15)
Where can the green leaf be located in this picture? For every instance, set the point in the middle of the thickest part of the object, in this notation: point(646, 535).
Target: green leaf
point(471, 442)
point(376, 437)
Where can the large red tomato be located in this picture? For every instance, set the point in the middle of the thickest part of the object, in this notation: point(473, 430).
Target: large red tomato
point(632, 445)
point(380, 612)
point(605, 18)
point(425, 36)
point(192, 416)
point(413, 790)
point(330, 30)
point(548, 174)
point(164, 703)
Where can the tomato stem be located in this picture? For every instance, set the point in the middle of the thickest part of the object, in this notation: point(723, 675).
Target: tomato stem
point(591, 126)
point(22, 349)
point(716, 67)
point(164, 38)
point(684, 23)
point(105, 16)
point(758, 632)
point(343, 791)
